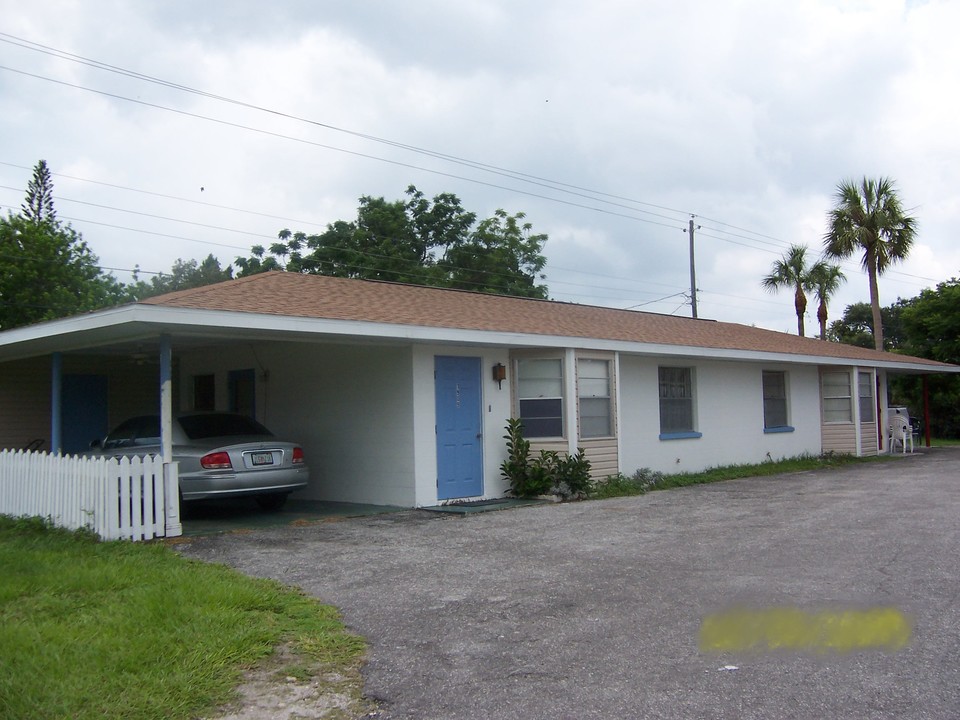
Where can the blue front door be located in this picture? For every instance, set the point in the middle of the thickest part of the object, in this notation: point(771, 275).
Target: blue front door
point(459, 436)
point(84, 411)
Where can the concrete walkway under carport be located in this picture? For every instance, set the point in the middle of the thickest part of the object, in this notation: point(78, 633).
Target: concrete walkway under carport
point(209, 517)
point(593, 609)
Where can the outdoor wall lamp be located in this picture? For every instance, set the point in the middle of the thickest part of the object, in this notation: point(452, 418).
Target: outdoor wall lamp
point(499, 374)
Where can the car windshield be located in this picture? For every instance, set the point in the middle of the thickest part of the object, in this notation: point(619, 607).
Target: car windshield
point(198, 427)
point(144, 430)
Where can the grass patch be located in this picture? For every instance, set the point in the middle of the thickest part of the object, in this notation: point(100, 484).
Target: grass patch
point(93, 629)
point(646, 480)
point(941, 442)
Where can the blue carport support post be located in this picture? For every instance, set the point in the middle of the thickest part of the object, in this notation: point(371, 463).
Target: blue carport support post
point(56, 404)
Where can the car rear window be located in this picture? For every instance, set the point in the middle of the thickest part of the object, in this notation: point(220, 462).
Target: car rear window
point(198, 427)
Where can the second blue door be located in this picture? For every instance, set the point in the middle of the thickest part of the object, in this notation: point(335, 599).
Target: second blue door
point(459, 433)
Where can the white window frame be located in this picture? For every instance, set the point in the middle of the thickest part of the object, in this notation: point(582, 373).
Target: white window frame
point(871, 407)
point(536, 387)
point(594, 390)
point(840, 398)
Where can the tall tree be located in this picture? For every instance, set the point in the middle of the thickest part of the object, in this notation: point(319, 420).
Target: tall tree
point(826, 279)
point(868, 216)
point(792, 271)
point(37, 208)
point(419, 241)
point(46, 269)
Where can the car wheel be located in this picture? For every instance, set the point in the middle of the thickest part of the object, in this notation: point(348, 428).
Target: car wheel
point(272, 501)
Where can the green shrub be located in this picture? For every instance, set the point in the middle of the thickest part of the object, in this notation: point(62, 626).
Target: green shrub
point(567, 476)
point(526, 479)
point(620, 485)
point(572, 476)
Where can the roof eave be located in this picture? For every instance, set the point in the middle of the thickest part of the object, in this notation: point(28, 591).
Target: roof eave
point(132, 322)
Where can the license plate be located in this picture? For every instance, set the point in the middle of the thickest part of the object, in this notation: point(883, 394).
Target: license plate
point(261, 458)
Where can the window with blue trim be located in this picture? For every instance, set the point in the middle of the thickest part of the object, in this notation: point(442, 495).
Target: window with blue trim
point(775, 400)
point(676, 401)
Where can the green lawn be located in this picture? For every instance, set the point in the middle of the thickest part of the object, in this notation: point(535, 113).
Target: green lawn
point(90, 629)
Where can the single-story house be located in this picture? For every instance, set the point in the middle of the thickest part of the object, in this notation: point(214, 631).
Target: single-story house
point(400, 394)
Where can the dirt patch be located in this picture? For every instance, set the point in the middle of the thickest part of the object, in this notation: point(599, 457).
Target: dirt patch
point(288, 686)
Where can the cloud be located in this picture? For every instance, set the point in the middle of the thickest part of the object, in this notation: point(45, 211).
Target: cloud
point(745, 114)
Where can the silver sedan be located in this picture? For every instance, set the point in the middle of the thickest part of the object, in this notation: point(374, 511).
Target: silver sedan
point(219, 454)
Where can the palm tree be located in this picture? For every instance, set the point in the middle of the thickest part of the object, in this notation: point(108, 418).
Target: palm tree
point(826, 279)
point(791, 271)
point(868, 216)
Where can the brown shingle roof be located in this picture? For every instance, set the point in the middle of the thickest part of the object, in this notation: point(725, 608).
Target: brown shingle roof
point(315, 296)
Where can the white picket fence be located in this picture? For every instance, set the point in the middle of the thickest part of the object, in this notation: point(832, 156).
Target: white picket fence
point(116, 498)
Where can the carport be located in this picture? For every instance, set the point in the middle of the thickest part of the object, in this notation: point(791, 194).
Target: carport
point(346, 397)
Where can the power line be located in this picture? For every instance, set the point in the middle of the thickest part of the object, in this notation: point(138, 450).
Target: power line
point(355, 153)
point(523, 177)
point(165, 196)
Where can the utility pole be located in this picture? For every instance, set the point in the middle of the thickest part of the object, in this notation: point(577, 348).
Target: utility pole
point(693, 272)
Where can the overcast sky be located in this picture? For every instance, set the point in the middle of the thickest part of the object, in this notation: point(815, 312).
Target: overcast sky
point(608, 123)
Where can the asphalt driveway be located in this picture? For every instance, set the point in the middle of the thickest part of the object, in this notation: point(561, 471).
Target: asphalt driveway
point(592, 610)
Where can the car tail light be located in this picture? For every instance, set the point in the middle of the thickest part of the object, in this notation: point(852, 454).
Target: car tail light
point(298, 456)
point(216, 461)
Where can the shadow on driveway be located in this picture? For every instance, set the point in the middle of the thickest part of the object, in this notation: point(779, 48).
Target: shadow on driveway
point(209, 517)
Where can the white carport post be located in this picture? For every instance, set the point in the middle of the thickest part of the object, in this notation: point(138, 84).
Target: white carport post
point(171, 484)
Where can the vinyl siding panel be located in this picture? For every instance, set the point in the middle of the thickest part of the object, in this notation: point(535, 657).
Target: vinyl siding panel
point(536, 446)
point(839, 438)
point(603, 457)
point(869, 442)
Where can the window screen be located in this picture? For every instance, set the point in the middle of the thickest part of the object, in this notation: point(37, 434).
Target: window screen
point(593, 388)
point(836, 397)
point(866, 397)
point(676, 400)
point(774, 399)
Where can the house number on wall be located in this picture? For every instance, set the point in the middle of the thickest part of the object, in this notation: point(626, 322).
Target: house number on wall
point(458, 396)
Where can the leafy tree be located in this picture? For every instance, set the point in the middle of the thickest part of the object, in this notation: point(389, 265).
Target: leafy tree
point(415, 241)
point(856, 326)
point(826, 281)
point(183, 276)
point(500, 256)
point(869, 217)
point(931, 323)
point(931, 329)
point(46, 269)
point(926, 326)
point(792, 271)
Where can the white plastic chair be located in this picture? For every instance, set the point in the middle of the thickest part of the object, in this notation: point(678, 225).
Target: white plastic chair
point(899, 431)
